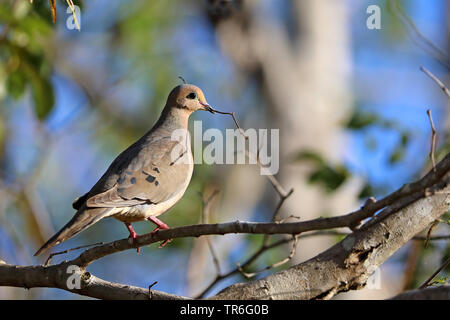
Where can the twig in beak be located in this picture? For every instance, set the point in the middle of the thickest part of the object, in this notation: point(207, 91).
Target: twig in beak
point(210, 109)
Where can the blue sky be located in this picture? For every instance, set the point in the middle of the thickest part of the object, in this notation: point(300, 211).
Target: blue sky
point(386, 81)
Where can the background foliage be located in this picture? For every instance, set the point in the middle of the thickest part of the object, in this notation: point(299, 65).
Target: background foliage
point(72, 100)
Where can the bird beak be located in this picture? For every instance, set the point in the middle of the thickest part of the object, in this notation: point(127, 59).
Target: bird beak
point(207, 107)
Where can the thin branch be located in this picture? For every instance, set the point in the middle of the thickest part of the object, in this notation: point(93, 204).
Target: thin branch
point(53, 10)
point(442, 267)
point(47, 262)
point(265, 243)
point(234, 119)
point(205, 219)
point(330, 223)
point(429, 293)
point(75, 18)
point(426, 44)
point(343, 233)
point(274, 265)
point(433, 140)
point(433, 238)
point(373, 245)
point(348, 264)
point(394, 201)
point(150, 291)
point(435, 79)
point(433, 225)
point(248, 262)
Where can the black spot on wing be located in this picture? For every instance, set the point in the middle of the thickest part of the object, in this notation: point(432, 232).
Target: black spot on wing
point(156, 183)
point(79, 201)
point(150, 178)
point(156, 169)
point(133, 180)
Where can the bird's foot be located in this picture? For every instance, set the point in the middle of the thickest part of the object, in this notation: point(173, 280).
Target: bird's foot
point(160, 226)
point(133, 235)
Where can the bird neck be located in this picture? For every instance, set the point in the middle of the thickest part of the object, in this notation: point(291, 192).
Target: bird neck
point(171, 119)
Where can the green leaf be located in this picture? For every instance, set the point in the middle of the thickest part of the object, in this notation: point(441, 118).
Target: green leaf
point(16, 84)
point(397, 155)
point(329, 177)
point(405, 138)
point(361, 119)
point(43, 96)
point(366, 191)
point(33, 67)
point(309, 156)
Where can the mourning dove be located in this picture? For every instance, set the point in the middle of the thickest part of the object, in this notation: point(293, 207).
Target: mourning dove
point(148, 178)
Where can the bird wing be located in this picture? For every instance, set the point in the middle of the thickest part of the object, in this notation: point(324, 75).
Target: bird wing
point(150, 174)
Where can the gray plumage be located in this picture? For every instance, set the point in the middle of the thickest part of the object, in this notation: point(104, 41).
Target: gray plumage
point(146, 179)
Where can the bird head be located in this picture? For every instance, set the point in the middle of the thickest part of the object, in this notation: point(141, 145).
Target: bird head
point(189, 98)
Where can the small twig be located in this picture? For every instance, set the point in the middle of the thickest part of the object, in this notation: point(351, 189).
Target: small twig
point(274, 265)
point(283, 197)
point(433, 140)
point(47, 262)
point(75, 18)
point(433, 225)
point(275, 183)
point(205, 219)
point(261, 144)
point(280, 190)
point(150, 292)
point(249, 261)
point(442, 267)
point(214, 255)
point(53, 10)
point(280, 204)
point(433, 238)
point(234, 119)
point(264, 246)
point(287, 218)
point(425, 43)
point(435, 79)
point(345, 233)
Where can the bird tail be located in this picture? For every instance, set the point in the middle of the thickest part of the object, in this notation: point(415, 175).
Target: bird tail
point(82, 220)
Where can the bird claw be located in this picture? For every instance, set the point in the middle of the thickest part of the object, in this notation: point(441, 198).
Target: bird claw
point(159, 225)
point(165, 241)
point(134, 237)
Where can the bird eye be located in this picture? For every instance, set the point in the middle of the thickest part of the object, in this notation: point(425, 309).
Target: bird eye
point(192, 95)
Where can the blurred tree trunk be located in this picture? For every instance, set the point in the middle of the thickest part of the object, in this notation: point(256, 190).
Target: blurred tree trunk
point(304, 72)
point(303, 67)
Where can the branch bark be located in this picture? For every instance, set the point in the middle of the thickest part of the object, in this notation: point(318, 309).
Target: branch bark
point(348, 264)
point(343, 267)
point(395, 201)
point(57, 276)
point(430, 293)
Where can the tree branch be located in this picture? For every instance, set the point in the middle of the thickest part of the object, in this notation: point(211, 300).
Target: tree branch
point(430, 293)
point(57, 276)
point(398, 199)
point(348, 264)
point(343, 267)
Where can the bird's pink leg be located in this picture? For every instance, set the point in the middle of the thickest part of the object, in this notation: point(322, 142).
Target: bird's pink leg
point(133, 234)
point(159, 225)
